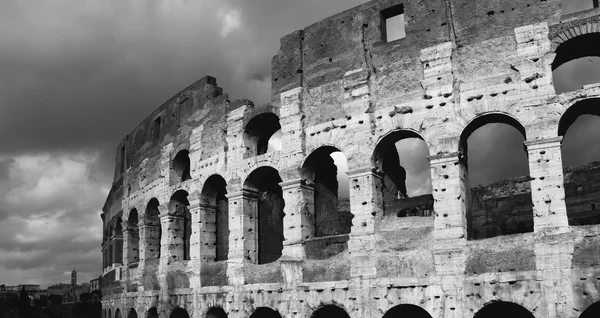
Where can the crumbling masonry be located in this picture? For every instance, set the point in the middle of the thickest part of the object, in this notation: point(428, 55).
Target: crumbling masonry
point(204, 220)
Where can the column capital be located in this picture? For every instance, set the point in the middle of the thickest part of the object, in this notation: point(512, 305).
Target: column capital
point(446, 157)
point(244, 193)
point(296, 183)
point(361, 172)
point(543, 143)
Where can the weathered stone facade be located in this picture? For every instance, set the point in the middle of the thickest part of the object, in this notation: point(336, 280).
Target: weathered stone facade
point(202, 220)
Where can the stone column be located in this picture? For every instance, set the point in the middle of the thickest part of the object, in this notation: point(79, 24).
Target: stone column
point(547, 185)
point(196, 242)
point(299, 220)
point(207, 226)
point(366, 203)
point(126, 244)
point(243, 241)
point(172, 233)
point(451, 196)
point(149, 240)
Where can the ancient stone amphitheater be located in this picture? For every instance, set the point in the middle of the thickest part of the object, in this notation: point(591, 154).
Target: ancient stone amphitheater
point(206, 219)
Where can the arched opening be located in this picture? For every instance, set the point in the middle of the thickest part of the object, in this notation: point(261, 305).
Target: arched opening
point(259, 131)
point(133, 240)
point(118, 313)
point(216, 312)
point(215, 209)
point(275, 142)
point(109, 313)
point(118, 242)
point(132, 313)
point(265, 312)
point(502, 309)
point(325, 169)
point(153, 230)
point(181, 166)
point(592, 311)
point(497, 164)
point(152, 313)
point(182, 224)
point(264, 184)
point(179, 313)
point(330, 311)
point(402, 157)
point(577, 63)
point(407, 311)
point(580, 128)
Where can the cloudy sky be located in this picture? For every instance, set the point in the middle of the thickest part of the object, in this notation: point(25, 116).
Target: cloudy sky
point(76, 76)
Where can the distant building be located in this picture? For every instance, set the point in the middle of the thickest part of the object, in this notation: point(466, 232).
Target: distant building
point(70, 292)
point(95, 283)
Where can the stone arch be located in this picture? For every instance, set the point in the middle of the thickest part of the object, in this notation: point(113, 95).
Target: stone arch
point(331, 210)
point(509, 207)
point(575, 41)
point(181, 166)
point(407, 311)
point(152, 229)
point(180, 232)
point(330, 311)
point(265, 312)
point(498, 309)
point(132, 313)
point(257, 132)
point(593, 311)
point(266, 204)
point(179, 313)
point(133, 237)
point(386, 159)
point(118, 313)
point(581, 208)
point(357, 154)
point(214, 209)
point(216, 312)
point(152, 313)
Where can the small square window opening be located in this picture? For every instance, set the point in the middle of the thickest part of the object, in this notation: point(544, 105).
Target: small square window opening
point(393, 23)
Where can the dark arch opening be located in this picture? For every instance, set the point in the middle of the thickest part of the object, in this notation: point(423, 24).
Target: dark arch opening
point(497, 170)
point(152, 313)
point(118, 313)
point(178, 205)
point(216, 207)
point(592, 311)
point(407, 311)
point(109, 313)
point(154, 232)
point(132, 313)
point(503, 309)
point(216, 312)
point(406, 190)
point(133, 241)
point(181, 166)
point(118, 241)
point(577, 63)
point(265, 312)
point(179, 313)
point(330, 311)
point(331, 193)
point(264, 182)
point(258, 132)
point(580, 127)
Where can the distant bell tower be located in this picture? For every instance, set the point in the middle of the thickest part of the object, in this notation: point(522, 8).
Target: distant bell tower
point(74, 278)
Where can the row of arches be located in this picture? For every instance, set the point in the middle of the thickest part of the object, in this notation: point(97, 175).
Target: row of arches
point(324, 170)
point(495, 309)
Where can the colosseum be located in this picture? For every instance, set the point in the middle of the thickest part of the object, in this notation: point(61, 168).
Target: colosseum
point(207, 217)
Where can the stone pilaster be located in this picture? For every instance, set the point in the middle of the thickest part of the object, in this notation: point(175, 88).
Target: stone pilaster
point(366, 203)
point(172, 232)
point(292, 121)
point(243, 240)
point(547, 185)
point(196, 243)
point(235, 138)
point(150, 235)
point(298, 224)
point(207, 232)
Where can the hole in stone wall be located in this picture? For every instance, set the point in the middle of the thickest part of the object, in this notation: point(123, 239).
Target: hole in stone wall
point(498, 175)
point(179, 313)
point(269, 204)
point(216, 204)
point(393, 23)
point(152, 313)
point(325, 169)
point(181, 166)
point(402, 157)
point(133, 253)
point(132, 313)
point(265, 312)
point(156, 129)
point(580, 127)
point(178, 205)
point(259, 132)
